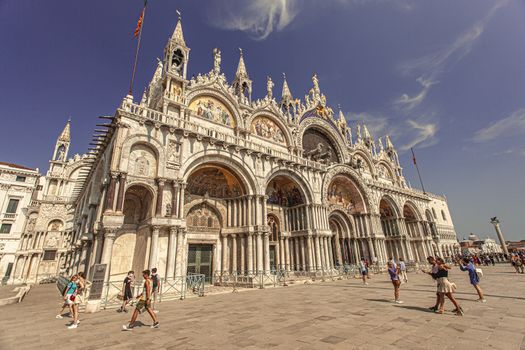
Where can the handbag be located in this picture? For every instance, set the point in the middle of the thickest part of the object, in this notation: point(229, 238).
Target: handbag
point(72, 297)
point(120, 296)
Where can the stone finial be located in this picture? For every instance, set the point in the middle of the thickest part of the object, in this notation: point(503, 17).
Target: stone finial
point(241, 67)
point(66, 133)
point(177, 35)
point(286, 90)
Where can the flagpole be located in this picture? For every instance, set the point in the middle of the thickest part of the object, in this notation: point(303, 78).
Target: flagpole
point(137, 50)
point(417, 168)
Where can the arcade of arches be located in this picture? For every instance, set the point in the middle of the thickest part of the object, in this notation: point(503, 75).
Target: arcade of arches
point(228, 229)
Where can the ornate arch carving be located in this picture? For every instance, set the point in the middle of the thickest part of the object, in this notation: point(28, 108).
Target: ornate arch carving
point(296, 177)
point(153, 143)
point(325, 128)
point(274, 118)
point(222, 96)
point(414, 208)
point(393, 204)
point(232, 162)
point(354, 176)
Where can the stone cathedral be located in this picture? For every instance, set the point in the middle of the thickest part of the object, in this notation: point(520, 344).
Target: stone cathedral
point(198, 177)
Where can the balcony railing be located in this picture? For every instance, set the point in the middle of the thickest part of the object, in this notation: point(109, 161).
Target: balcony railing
point(9, 216)
point(204, 131)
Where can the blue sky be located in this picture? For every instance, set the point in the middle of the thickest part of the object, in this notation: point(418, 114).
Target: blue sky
point(447, 77)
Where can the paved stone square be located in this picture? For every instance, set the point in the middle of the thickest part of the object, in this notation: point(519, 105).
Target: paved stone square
point(339, 314)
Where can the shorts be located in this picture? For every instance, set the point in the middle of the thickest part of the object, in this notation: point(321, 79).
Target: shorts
point(68, 300)
point(155, 294)
point(141, 305)
point(364, 273)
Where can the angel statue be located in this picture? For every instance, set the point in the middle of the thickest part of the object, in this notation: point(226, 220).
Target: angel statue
point(216, 60)
point(269, 88)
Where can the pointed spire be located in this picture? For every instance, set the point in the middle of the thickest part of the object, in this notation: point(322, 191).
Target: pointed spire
point(177, 35)
point(65, 136)
point(286, 90)
point(381, 147)
point(342, 119)
point(366, 133)
point(241, 68)
point(388, 142)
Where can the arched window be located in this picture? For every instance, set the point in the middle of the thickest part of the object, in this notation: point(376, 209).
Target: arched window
point(434, 213)
point(443, 215)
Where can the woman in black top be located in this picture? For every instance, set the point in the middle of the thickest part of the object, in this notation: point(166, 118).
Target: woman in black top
point(445, 287)
point(126, 290)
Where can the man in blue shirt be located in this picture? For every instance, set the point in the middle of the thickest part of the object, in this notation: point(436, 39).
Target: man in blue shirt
point(467, 265)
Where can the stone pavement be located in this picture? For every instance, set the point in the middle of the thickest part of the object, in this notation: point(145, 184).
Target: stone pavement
point(339, 314)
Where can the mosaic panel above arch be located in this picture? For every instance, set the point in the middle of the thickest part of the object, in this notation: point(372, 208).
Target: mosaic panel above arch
point(284, 192)
point(344, 193)
point(317, 146)
point(210, 108)
point(214, 181)
point(266, 128)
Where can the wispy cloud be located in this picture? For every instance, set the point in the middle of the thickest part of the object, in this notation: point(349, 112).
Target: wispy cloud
point(258, 18)
point(420, 132)
point(512, 125)
point(431, 67)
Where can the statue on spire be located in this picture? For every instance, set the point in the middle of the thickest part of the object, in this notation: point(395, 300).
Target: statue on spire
point(216, 61)
point(269, 87)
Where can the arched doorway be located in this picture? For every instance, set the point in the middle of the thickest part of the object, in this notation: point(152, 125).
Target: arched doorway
point(129, 249)
point(343, 239)
point(286, 202)
point(275, 238)
point(205, 222)
point(217, 199)
point(415, 234)
point(389, 224)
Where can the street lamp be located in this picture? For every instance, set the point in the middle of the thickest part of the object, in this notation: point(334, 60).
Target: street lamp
point(495, 221)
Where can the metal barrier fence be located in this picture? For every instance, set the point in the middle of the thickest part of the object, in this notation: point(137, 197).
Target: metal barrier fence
point(180, 287)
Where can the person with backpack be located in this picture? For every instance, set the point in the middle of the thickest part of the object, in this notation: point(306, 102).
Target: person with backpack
point(155, 287)
point(144, 302)
point(467, 265)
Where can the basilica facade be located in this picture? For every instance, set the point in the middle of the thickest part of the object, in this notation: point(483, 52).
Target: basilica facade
point(198, 177)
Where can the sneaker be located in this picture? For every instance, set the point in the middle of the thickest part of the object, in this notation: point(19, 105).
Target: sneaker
point(155, 325)
point(366, 283)
point(482, 300)
point(399, 302)
point(73, 326)
point(59, 316)
point(156, 311)
point(126, 327)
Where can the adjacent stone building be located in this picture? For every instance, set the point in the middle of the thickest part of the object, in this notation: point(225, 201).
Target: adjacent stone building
point(199, 177)
point(17, 185)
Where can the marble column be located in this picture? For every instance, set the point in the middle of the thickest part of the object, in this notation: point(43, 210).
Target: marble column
point(330, 252)
point(154, 247)
point(107, 253)
point(121, 188)
point(338, 253)
point(234, 253)
point(224, 253)
point(180, 212)
point(160, 193)
point(174, 198)
point(260, 252)
point(303, 253)
point(111, 192)
point(297, 254)
point(172, 254)
point(287, 253)
point(243, 255)
point(266, 237)
point(249, 253)
point(322, 253)
point(282, 259)
point(317, 248)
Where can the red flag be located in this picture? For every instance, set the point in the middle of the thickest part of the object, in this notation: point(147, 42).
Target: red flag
point(413, 157)
point(139, 23)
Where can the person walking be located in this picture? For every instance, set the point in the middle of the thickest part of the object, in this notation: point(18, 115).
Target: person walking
point(445, 288)
point(155, 282)
point(143, 303)
point(394, 277)
point(68, 291)
point(403, 270)
point(466, 265)
point(127, 294)
point(363, 270)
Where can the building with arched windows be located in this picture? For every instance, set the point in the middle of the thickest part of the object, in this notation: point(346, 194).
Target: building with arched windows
point(198, 177)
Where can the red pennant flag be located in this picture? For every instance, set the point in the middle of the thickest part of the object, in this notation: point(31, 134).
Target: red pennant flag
point(139, 23)
point(413, 157)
